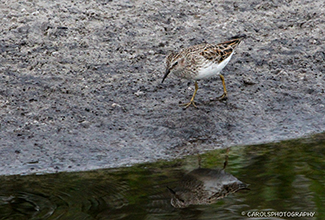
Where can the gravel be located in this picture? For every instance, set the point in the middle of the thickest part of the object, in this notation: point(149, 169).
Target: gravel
point(80, 81)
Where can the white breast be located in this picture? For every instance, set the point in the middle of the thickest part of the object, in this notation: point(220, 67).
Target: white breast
point(212, 69)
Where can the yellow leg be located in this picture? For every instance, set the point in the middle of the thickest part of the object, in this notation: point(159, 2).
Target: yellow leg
point(192, 99)
point(224, 95)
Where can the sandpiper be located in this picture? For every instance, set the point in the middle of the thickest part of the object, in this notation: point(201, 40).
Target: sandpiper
point(205, 186)
point(201, 62)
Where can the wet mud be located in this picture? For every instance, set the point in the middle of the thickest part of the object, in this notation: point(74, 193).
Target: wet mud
point(80, 81)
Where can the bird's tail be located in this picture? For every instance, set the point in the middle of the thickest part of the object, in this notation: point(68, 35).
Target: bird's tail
point(234, 41)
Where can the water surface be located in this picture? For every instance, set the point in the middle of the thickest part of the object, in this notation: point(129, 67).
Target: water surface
point(285, 178)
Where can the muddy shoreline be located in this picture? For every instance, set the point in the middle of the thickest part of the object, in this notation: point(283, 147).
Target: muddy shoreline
point(80, 82)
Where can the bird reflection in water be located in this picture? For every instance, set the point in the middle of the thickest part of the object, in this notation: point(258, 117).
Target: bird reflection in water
point(205, 186)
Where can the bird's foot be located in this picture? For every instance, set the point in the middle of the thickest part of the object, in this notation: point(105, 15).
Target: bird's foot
point(188, 104)
point(222, 97)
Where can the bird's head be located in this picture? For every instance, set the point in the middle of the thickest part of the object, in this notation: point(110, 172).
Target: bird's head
point(174, 62)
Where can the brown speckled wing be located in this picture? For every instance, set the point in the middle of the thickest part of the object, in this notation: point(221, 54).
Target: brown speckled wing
point(212, 52)
point(219, 52)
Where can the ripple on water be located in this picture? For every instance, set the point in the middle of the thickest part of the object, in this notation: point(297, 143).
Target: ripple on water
point(286, 176)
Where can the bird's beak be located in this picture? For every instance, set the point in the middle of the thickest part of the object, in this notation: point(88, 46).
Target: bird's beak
point(166, 74)
point(172, 191)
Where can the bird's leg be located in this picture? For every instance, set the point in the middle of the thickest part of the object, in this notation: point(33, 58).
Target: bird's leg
point(226, 160)
point(199, 160)
point(192, 99)
point(224, 95)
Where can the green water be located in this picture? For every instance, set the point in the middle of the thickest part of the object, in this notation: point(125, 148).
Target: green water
point(285, 178)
